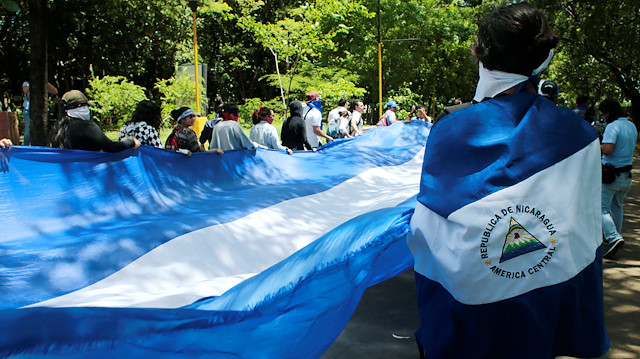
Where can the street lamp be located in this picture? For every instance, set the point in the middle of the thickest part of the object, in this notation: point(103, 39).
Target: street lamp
point(193, 4)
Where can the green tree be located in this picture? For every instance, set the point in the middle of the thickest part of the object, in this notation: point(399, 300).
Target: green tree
point(600, 45)
point(114, 99)
point(177, 91)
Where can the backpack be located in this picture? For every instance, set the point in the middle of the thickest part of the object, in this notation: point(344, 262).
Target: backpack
point(332, 129)
point(384, 121)
point(172, 142)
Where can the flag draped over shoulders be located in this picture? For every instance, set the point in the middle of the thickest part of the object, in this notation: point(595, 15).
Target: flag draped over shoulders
point(506, 234)
point(149, 253)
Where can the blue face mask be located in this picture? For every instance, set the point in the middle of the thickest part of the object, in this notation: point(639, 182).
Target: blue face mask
point(316, 104)
point(83, 113)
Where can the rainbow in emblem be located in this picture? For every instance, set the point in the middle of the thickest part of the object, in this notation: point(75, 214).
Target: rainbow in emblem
point(518, 242)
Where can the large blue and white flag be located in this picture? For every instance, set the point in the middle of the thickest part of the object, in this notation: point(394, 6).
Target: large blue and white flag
point(149, 253)
point(506, 234)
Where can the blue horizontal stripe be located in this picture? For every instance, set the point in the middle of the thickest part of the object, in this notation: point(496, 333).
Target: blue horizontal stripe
point(101, 211)
point(561, 320)
point(498, 143)
point(294, 309)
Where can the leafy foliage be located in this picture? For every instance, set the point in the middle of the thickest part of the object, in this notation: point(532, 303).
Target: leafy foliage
point(176, 92)
point(600, 48)
point(114, 99)
point(278, 50)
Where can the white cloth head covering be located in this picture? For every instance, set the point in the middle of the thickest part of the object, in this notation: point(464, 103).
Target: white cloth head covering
point(493, 82)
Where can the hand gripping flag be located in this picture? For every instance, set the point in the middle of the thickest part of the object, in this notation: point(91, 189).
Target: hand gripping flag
point(507, 232)
point(151, 254)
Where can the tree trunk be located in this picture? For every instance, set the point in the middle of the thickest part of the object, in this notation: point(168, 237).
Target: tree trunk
point(284, 103)
point(39, 111)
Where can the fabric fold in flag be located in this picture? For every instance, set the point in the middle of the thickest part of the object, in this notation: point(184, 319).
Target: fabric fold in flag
point(153, 254)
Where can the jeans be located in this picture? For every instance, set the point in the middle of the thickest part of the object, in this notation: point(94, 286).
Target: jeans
point(612, 197)
point(27, 132)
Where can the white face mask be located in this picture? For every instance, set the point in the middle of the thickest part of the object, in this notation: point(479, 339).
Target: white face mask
point(83, 113)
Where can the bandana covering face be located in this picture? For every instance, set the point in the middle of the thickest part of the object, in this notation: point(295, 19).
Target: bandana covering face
point(315, 104)
point(230, 116)
point(186, 113)
point(266, 118)
point(493, 82)
point(82, 113)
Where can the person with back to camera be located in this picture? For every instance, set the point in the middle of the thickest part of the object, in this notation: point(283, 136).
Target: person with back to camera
point(312, 116)
point(228, 134)
point(505, 235)
point(183, 139)
point(143, 125)
point(77, 131)
point(618, 145)
point(294, 129)
point(343, 124)
point(263, 132)
point(335, 113)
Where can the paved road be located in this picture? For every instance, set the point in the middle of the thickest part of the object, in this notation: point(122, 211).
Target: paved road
point(382, 326)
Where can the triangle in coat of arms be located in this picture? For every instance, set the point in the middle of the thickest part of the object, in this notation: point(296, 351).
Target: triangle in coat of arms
point(519, 241)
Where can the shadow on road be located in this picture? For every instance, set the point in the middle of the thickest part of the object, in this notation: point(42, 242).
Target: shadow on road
point(382, 326)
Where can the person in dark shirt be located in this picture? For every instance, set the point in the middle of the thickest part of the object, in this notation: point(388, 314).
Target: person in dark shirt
point(77, 131)
point(183, 139)
point(294, 131)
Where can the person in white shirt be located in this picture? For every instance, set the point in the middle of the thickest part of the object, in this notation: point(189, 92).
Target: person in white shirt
point(335, 113)
point(312, 116)
point(228, 135)
point(419, 113)
point(263, 132)
point(343, 125)
point(356, 118)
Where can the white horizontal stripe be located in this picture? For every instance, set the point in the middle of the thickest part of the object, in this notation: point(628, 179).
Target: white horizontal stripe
point(451, 252)
point(209, 261)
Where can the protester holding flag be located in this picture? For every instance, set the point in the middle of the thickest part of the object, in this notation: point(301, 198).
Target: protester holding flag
point(143, 125)
point(294, 131)
point(312, 116)
point(228, 134)
point(506, 235)
point(263, 132)
point(77, 131)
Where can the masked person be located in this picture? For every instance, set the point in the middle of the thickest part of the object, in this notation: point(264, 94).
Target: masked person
point(507, 234)
point(77, 131)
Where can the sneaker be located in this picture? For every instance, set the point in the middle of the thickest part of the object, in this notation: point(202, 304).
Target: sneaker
point(613, 248)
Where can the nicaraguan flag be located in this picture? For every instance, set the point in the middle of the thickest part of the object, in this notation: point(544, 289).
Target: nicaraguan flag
point(150, 254)
point(506, 234)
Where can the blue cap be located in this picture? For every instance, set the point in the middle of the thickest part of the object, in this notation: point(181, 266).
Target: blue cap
point(391, 104)
point(26, 83)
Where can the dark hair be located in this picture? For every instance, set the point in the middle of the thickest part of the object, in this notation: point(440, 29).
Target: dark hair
point(177, 112)
point(343, 113)
point(230, 108)
point(515, 39)
point(582, 99)
point(264, 112)
point(355, 102)
point(147, 111)
point(342, 102)
point(613, 108)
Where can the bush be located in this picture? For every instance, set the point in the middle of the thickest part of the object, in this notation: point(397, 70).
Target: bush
point(176, 92)
point(114, 99)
